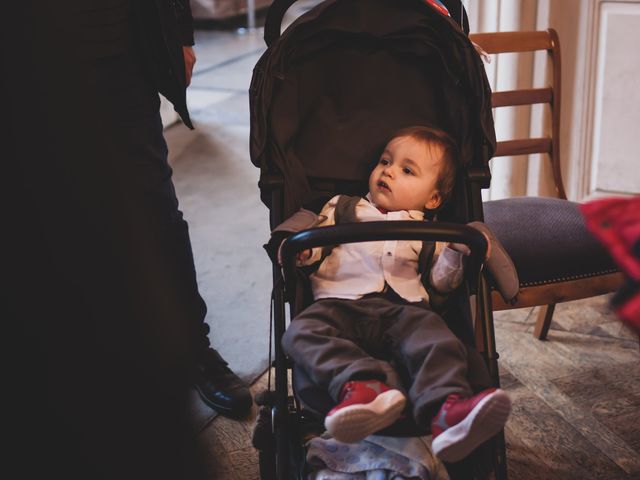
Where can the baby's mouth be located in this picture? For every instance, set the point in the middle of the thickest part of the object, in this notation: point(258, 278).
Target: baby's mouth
point(383, 185)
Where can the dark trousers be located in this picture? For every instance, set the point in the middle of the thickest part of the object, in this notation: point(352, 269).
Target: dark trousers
point(103, 315)
point(335, 340)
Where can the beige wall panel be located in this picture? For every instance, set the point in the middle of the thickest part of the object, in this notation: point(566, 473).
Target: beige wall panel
point(506, 72)
point(615, 157)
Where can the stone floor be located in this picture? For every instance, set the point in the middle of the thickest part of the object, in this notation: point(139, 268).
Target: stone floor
point(576, 395)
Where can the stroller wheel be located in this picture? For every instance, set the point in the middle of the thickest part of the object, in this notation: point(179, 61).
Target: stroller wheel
point(263, 441)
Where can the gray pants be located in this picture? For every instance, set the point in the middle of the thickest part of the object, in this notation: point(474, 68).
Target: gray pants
point(336, 340)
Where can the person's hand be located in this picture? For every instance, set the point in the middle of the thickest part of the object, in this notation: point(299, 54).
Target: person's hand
point(189, 62)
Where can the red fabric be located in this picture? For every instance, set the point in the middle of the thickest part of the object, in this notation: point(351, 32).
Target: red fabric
point(454, 410)
point(629, 312)
point(359, 392)
point(439, 7)
point(616, 223)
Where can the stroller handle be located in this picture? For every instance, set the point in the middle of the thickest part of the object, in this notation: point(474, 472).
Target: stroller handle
point(275, 14)
point(273, 20)
point(380, 231)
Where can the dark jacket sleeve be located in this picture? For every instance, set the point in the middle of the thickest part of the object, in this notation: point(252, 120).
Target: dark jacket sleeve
point(185, 21)
point(163, 27)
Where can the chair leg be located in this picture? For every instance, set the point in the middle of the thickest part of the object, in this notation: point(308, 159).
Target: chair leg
point(543, 322)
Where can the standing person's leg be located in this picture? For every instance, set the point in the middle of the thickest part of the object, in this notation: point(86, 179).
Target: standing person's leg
point(104, 317)
point(103, 348)
point(155, 217)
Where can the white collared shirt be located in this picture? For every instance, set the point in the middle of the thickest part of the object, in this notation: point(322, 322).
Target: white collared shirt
point(353, 270)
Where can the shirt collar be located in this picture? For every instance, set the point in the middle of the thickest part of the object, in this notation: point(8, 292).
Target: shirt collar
point(414, 214)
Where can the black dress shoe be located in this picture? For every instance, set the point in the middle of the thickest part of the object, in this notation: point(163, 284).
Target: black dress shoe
point(219, 387)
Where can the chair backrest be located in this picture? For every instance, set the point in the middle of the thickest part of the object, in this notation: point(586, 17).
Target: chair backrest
point(514, 42)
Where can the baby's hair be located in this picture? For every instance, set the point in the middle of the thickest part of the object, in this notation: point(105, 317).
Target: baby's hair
point(429, 135)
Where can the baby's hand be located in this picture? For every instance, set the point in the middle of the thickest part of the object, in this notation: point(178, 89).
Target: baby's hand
point(459, 247)
point(301, 257)
point(462, 248)
point(304, 255)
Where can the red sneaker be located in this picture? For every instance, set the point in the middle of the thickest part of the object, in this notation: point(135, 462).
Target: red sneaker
point(462, 424)
point(366, 406)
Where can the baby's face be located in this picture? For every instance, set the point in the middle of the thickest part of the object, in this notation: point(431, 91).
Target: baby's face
point(406, 175)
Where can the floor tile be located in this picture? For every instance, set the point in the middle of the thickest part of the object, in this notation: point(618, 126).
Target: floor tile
point(236, 76)
point(198, 99)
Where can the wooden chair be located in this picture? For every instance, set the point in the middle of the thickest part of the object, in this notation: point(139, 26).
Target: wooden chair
point(556, 258)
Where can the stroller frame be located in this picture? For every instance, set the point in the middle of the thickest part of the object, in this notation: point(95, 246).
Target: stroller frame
point(284, 281)
point(275, 460)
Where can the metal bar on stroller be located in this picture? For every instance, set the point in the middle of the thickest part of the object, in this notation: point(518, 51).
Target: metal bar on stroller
point(380, 231)
point(273, 22)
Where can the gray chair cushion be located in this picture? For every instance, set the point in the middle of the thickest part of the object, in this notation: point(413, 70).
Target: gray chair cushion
point(546, 239)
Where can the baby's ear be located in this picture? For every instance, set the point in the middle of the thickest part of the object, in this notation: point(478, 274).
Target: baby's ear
point(434, 202)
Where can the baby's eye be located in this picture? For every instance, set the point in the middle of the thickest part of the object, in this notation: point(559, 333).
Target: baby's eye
point(384, 161)
point(407, 170)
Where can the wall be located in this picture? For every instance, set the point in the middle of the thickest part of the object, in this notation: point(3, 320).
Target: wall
point(600, 101)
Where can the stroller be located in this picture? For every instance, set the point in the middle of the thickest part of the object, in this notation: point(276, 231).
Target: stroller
point(323, 98)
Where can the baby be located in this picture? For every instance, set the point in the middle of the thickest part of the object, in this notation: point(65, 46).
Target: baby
point(369, 298)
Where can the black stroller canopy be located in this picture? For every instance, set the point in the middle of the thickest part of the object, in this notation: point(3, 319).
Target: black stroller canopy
point(327, 95)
